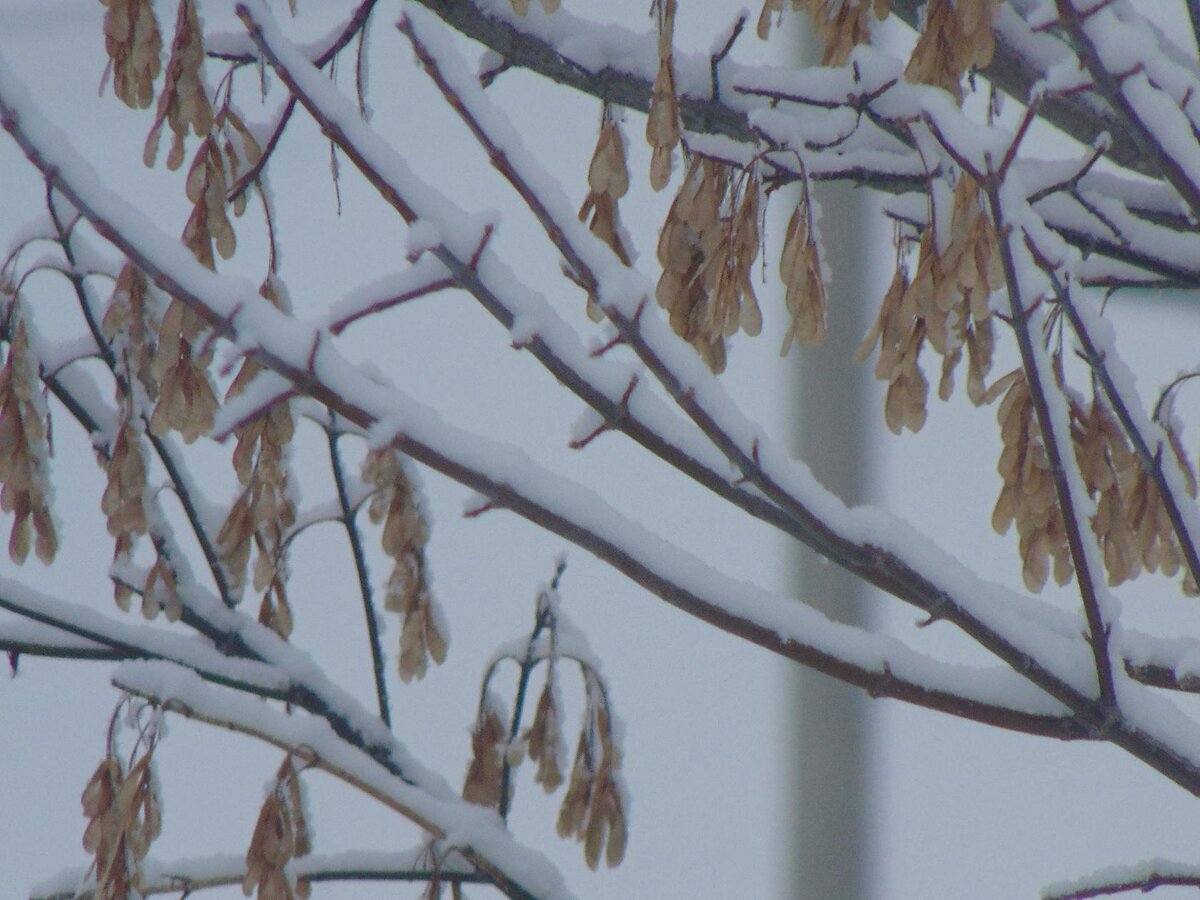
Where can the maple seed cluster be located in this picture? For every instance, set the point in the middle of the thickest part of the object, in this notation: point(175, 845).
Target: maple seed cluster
point(608, 182)
point(662, 121)
point(133, 42)
point(124, 816)
point(593, 807)
point(945, 306)
point(396, 503)
point(24, 449)
point(281, 835)
point(707, 248)
point(1131, 521)
point(1028, 495)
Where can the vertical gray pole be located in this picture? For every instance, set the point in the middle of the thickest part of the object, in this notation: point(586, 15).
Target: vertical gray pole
point(830, 735)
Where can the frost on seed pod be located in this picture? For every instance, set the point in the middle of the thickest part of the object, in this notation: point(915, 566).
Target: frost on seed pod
point(25, 490)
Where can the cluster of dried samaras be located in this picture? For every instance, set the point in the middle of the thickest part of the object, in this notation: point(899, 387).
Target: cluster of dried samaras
point(594, 806)
point(710, 240)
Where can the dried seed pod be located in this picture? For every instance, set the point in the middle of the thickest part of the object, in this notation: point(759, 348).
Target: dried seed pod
point(800, 270)
point(183, 102)
point(771, 9)
point(264, 513)
point(281, 835)
point(608, 181)
point(521, 7)
point(1109, 469)
point(133, 44)
point(187, 402)
point(124, 816)
point(124, 498)
point(707, 248)
point(545, 741)
point(593, 809)
point(841, 24)
point(397, 503)
point(24, 449)
point(485, 775)
point(1153, 534)
point(957, 36)
point(662, 121)
point(1028, 495)
point(130, 325)
point(945, 306)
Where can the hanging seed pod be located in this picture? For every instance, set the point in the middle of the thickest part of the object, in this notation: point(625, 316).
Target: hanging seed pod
point(662, 121)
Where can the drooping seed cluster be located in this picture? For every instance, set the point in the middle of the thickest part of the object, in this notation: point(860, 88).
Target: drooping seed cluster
point(662, 121)
point(129, 326)
point(281, 835)
point(593, 809)
point(24, 447)
point(546, 746)
point(484, 784)
point(397, 503)
point(1028, 494)
point(124, 816)
point(594, 805)
point(803, 279)
point(265, 510)
point(608, 182)
point(707, 248)
point(183, 103)
point(945, 306)
point(133, 42)
point(1131, 521)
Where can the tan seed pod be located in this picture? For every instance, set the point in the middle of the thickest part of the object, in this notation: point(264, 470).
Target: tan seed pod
point(545, 741)
point(662, 120)
point(24, 449)
point(485, 775)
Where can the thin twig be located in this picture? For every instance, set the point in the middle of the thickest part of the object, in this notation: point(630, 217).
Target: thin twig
point(347, 519)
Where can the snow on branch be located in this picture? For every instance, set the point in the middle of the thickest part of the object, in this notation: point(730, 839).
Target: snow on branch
point(506, 477)
point(474, 832)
